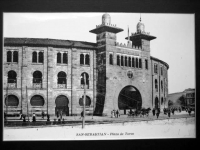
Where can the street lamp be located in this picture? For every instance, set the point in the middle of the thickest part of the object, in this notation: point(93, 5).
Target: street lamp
point(83, 122)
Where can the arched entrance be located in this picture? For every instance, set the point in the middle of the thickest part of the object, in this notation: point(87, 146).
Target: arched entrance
point(156, 103)
point(129, 98)
point(62, 105)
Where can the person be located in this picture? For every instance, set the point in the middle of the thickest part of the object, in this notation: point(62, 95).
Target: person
point(24, 118)
point(153, 111)
point(57, 113)
point(42, 114)
point(48, 117)
point(81, 114)
point(61, 114)
point(114, 113)
point(179, 109)
point(169, 112)
point(111, 114)
point(117, 113)
point(157, 112)
point(173, 111)
point(189, 111)
point(34, 119)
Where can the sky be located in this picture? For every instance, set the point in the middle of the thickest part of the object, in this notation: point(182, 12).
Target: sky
point(175, 42)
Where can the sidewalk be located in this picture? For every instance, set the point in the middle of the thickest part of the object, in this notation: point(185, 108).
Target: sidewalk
point(76, 120)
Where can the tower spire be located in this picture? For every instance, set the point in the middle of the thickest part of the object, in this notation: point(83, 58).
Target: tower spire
point(128, 35)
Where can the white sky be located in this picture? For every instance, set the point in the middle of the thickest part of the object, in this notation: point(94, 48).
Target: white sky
point(174, 43)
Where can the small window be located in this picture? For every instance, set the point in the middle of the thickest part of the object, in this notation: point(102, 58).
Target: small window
point(34, 57)
point(133, 62)
point(58, 57)
point(129, 61)
point(12, 77)
point(37, 77)
point(118, 60)
point(155, 68)
point(87, 59)
point(62, 77)
point(136, 62)
point(161, 70)
point(156, 85)
point(9, 56)
point(111, 59)
point(37, 100)
point(122, 60)
point(41, 57)
point(161, 85)
point(82, 80)
point(15, 56)
point(126, 60)
point(140, 63)
point(146, 64)
point(65, 58)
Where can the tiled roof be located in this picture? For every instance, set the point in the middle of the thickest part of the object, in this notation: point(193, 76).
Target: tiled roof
point(47, 42)
point(156, 59)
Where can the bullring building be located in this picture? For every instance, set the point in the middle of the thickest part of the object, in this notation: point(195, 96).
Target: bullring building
point(47, 74)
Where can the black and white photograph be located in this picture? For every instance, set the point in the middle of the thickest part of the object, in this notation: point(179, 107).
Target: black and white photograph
point(98, 76)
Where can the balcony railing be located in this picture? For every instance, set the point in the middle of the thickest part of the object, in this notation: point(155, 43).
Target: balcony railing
point(12, 85)
point(37, 85)
point(82, 86)
point(62, 86)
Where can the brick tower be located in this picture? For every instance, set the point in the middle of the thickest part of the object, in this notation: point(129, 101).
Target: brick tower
point(106, 40)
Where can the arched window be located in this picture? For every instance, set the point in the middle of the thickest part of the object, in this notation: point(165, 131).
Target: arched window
point(140, 63)
point(162, 101)
point(161, 85)
point(11, 100)
point(129, 61)
point(118, 60)
point(15, 56)
point(155, 68)
point(146, 64)
point(111, 59)
point(12, 77)
point(82, 59)
point(41, 57)
point(87, 101)
point(58, 57)
point(136, 62)
point(37, 77)
point(122, 60)
point(9, 56)
point(62, 78)
point(156, 85)
point(65, 58)
point(87, 59)
point(82, 80)
point(37, 100)
point(34, 57)
point(161, 70)
point(133, 62)
point(125, 60)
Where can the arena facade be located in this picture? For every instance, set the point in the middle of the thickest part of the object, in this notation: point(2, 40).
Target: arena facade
point(47, 74)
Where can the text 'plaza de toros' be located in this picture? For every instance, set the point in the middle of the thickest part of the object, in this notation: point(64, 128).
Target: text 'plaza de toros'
point(47, 74)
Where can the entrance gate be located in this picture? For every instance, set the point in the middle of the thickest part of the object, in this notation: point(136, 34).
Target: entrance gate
point(62, 105)
point(129, 99)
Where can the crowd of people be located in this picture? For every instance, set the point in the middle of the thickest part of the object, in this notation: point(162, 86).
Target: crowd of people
point(115, 114)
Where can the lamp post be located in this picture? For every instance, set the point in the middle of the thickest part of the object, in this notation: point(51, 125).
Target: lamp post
point(83, 122)
point(6, 103)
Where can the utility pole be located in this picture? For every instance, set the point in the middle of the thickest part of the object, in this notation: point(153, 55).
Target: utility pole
point(83, 123)
point(27, 103)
